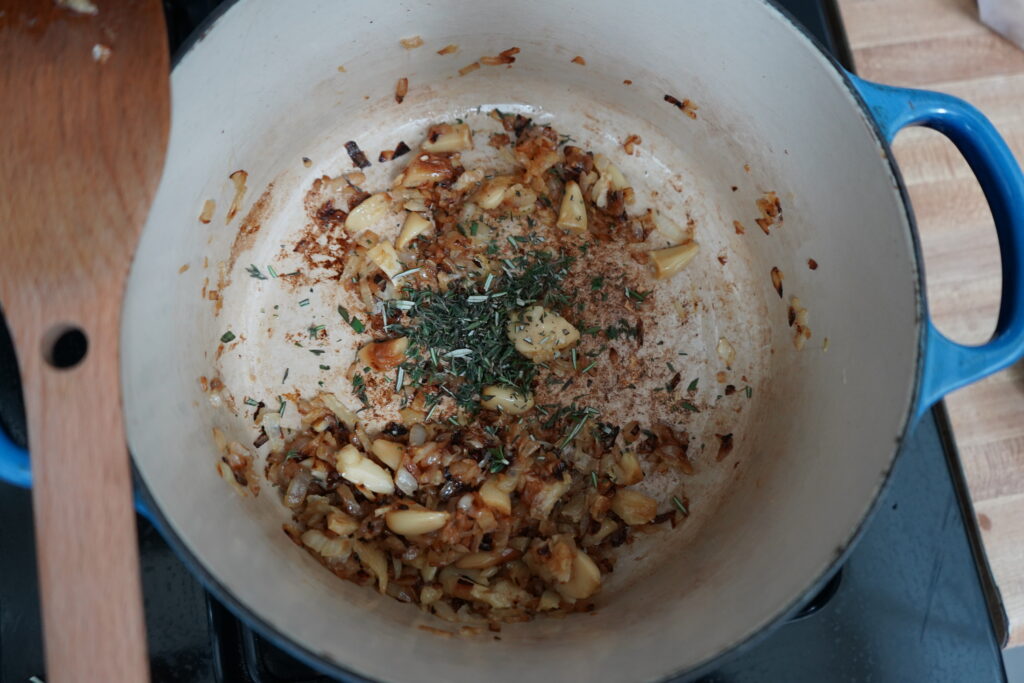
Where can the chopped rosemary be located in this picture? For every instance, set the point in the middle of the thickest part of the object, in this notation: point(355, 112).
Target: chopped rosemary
point(679, 504)
point(689, 406)
point(593, 478)
point(343, 312)
point(304, 302)
point(357, 325)
point(693, 385)
point(285, 378)
point(228, 336)
point(359, 384)
point(316, 330)
point(325, 367)
point(254, 271)
point(459, 336)
point(270, 269)
point(251, 402)
point(316, 352)
point(281, 408)
point(749, 391)
point(637, 295)
point(496, 459)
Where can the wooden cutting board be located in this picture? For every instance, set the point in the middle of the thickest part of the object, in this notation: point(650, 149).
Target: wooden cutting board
point(941, 45)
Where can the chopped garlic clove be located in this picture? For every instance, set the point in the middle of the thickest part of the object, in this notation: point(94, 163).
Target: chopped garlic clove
point(415, 522)
point(448, 137)
point(388, 452)
point(572, 215)
point(384, 255)
point(585, 579)
point(505, 400)
point(360, 470)
point(494, 497)
point(490, 195)
point(628, 469)
point(371, 211)
point(414, 226)
point(668, 262)
point(634, 507)
point(539, 333)
point(342, 524)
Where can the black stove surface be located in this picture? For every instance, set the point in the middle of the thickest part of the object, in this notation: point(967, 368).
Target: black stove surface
point(913, 602)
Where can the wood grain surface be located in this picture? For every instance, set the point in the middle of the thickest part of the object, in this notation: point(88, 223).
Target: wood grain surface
point(942, 45)
point(84, 118)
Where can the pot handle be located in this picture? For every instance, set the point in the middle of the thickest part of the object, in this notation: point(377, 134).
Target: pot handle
point(14, 463)
point(947, 364)
point(15, 469)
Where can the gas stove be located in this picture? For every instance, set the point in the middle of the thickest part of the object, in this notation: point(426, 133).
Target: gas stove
point(914, 601)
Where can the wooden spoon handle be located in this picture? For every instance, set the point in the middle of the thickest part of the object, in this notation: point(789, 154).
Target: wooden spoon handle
point(86, 538)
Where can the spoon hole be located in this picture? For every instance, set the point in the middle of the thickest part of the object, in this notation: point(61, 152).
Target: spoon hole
point(65, 346)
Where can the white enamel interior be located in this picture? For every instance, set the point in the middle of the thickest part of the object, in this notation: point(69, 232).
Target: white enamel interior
point(262, 90)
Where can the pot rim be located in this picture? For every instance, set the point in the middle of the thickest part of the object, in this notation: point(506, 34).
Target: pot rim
point(335, 669)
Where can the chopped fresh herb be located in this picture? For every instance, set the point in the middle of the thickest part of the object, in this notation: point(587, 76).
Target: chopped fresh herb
point(679, 504)
point(325, 367)
point(270, 269)
point(637, 295)
point(596, 284)
point(251, 402)
point(254, 271)
point(693, 385)
point(316, 330)
point(585, 415)
point(573, 354)
point(285, 378)
point(689, 406)
point(671, 368)
point(622, 328)
point(749, 391)
point(316, 352)
point(593, 478)
point(304, 302)
point(281, 408)
point(496, 459)
point(357, 325)
point(400, 379)
point(473, 227)
point(461, 333)
point(228, 336)
point(588, 368)
point(343, 312)
point(291, 454)
point(360, 388)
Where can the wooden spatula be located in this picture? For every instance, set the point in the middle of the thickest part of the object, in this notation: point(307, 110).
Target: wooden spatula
point(84, 119)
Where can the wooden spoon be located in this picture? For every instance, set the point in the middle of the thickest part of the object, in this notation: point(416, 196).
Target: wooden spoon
point(84, 120)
